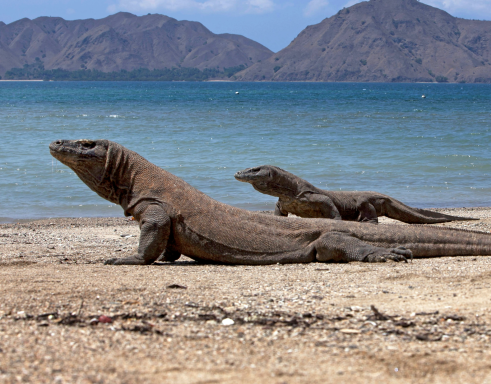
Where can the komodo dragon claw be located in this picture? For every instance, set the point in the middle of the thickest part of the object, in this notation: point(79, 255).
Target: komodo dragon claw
point(396, 254)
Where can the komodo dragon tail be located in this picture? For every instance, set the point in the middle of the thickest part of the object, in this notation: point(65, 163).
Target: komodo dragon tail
point(428, 241)
point(400, 211)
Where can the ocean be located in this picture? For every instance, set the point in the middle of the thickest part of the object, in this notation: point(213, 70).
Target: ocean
point(426, 152)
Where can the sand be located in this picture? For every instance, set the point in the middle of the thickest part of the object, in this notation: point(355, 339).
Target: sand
point(67, 318)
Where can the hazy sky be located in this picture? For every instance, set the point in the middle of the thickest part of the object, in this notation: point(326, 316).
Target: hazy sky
point(273, 23)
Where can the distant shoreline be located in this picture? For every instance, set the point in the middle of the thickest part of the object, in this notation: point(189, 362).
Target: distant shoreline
point(21, 80)
point(248, 81)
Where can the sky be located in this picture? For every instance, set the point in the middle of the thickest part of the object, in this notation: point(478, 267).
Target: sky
point(273, 23)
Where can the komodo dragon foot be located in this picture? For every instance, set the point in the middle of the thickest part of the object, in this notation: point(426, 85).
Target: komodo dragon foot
point(394, 254)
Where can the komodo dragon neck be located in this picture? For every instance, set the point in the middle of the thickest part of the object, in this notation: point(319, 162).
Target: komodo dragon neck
point(118, 177)
point(131, 180)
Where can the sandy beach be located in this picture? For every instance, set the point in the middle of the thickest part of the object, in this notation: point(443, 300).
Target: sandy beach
point(67, 318)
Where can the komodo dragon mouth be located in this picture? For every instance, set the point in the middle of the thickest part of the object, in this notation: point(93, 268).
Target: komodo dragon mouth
point(71, 152)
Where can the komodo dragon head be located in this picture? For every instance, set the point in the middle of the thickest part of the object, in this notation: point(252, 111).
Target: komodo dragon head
point(270, 180)
point(94, 162)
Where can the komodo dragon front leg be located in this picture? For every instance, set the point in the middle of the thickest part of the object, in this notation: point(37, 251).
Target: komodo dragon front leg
point(368, 213)
point(155, 227)
point(278, 210)
point(343, 247)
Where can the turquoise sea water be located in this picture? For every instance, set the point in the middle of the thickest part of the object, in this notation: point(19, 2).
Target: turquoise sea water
point(431, 152)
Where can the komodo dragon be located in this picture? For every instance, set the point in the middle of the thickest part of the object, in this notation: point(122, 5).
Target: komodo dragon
point(301, 198)
point(176, 219)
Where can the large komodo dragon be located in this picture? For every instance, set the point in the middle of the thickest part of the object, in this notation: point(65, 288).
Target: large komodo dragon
point(301, 198)
point(176, 219)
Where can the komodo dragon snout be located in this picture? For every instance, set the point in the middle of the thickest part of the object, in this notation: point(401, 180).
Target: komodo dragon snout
point(255, 174)
point(78, 152)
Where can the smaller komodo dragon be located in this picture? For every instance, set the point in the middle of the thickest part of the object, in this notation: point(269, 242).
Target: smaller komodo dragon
point(175, 218)
point(301, 198)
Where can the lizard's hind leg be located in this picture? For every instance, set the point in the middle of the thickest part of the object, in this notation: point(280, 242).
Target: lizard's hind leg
point(342, 247)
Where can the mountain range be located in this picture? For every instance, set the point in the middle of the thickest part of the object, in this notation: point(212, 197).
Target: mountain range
point(122, 41)
point(376, 40)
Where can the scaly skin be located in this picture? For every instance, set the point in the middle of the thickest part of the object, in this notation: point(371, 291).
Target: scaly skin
point(301, 198)
point(176, 219)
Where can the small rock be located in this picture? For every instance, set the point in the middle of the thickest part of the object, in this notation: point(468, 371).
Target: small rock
point(176, 286)
point(105, 319)
point(43, 324)
point(350, 331)
point(227, 322)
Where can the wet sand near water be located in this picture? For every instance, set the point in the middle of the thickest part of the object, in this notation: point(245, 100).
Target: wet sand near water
point(67, 318)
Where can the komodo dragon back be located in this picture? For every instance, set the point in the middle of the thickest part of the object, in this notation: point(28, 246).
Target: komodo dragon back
point(176, 219)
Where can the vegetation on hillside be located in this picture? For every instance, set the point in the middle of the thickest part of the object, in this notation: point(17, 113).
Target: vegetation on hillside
point(36, 71)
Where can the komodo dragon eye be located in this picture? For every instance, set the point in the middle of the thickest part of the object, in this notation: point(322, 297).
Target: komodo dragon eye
point(88, 145)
